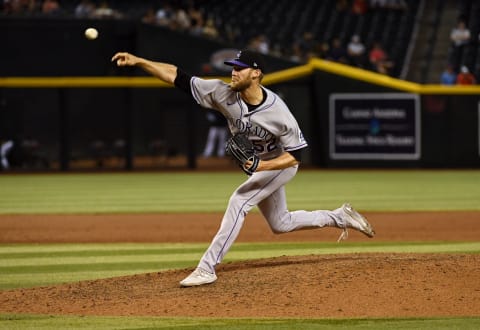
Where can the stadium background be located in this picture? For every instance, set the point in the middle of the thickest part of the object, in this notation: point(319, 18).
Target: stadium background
point(67, 237)
point(116, 124)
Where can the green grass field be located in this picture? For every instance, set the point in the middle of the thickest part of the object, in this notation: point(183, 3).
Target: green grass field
point(25, 322)
point(197, 192)
point(29, 265)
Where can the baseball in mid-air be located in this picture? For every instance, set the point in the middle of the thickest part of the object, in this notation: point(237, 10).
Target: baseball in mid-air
point(91, 33)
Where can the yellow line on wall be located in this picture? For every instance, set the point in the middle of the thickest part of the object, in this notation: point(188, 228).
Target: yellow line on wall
point(270, 79)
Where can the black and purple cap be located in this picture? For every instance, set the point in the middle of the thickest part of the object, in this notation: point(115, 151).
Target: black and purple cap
point(248, 59)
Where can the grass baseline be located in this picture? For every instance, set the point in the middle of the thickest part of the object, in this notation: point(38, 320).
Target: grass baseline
point(26, 321)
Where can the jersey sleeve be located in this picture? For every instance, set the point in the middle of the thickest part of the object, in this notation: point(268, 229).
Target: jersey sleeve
point(293, 139)
point(207, 92)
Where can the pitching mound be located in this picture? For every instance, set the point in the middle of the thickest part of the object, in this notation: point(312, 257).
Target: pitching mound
point(357, 285)
point(353, 285)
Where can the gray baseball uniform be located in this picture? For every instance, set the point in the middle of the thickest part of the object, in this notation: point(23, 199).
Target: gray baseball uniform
point(274, 132)
point(273, 129)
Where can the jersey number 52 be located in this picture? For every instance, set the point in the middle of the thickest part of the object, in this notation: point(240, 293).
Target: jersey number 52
point(262, 146)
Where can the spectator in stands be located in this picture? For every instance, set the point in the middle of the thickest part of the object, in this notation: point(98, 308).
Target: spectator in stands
point(181, 20)
point(304, 48)
point(337, 52)
point(196, 27)
point(448, 76)
point(104, 10)
point(21, 7)
point(321, 49)
point(210, 30)
point(196, 20)
point(165, 15)
point(460, 34)
point(379, 59)
point(359, 7)
point(259, 44)
point(459, 37)
point(85, 9)
point(149, 17)
point(50, 7)
point(296, 54)
point(465, 77)
point(276, 50)
point(356, 51)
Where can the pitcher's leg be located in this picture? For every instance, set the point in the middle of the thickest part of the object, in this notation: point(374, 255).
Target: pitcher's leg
point(250, 193)
point(230, 227)
point(274, 209)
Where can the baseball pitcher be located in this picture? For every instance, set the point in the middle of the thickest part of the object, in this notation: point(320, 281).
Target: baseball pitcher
point(267, 144)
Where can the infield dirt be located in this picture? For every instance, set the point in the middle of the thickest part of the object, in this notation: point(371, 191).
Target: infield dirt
point(351, 285)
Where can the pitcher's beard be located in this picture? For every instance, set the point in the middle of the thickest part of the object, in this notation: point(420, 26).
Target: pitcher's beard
point(240, 86)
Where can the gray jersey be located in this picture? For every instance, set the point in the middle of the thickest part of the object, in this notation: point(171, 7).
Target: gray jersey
point(271, 127)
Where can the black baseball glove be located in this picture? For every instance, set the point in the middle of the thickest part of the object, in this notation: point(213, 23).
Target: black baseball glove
point(241, 149)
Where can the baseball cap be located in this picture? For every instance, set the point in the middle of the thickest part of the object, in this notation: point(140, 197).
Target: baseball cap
point(248, 59)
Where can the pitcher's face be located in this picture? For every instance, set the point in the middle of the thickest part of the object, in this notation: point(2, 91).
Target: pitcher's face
point(242, 78)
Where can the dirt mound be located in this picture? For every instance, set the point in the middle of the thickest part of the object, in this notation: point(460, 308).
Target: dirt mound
point(352, 285)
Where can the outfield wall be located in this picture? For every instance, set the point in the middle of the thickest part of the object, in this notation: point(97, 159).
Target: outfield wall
point(400, 128)
point(62, 90)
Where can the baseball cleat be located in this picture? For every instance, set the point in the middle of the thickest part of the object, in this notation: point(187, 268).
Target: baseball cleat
point(356, 221)
point(199, 277)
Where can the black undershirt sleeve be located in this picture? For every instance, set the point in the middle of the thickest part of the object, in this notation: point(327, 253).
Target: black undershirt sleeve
point(182, 81)
point(297, 154)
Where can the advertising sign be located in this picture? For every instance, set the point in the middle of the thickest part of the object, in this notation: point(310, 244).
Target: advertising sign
point(384, 126)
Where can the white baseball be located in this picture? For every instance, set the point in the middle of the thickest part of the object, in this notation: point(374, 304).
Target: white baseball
point(91, 33)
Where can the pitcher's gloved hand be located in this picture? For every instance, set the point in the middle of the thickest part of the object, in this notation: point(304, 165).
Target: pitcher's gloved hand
point(242, 150)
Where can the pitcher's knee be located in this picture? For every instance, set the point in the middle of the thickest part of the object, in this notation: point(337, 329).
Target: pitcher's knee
point(279, 231)
point(281, 226)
